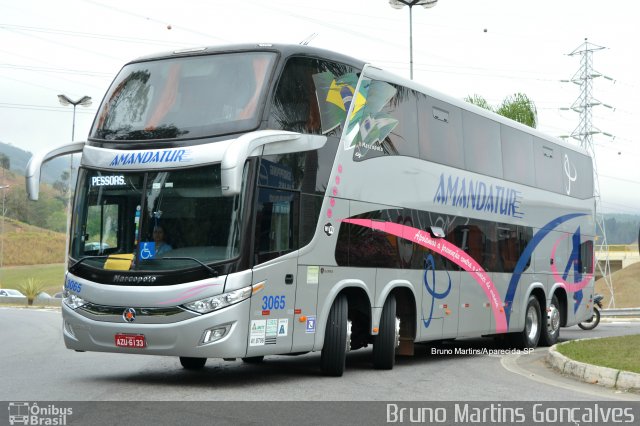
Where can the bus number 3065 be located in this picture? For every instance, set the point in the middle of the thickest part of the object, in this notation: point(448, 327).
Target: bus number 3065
point(273, 302)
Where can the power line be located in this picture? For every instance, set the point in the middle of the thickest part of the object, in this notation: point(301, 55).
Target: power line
point(91, 35)
point(57, 70)
point(43, 108)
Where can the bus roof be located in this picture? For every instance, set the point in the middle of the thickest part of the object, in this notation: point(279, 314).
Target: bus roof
point(287, 50)
point(460, 103)
point(284, 49)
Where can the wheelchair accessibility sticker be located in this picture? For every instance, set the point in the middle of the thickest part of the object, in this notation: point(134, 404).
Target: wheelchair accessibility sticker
point(147, 250)
point(311, 325)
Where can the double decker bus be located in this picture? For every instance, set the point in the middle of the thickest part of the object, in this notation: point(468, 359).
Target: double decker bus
point(254, 200)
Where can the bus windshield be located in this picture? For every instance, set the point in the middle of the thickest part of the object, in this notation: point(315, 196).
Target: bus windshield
point(156, 220)
point(185, 97)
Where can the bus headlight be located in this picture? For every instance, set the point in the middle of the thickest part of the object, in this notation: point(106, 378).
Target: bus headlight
point(220, 301)
point(72, 300)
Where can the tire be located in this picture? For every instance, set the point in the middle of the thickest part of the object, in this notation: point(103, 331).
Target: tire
point(591, 323)
point(551, 324)
point(530, 335)
point(189, 363)
point(334, 351)
point(386, 342)
point(253, 359)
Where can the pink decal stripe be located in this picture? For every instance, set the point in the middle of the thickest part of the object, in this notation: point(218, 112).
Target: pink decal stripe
point(187, 294)
point(451, 252)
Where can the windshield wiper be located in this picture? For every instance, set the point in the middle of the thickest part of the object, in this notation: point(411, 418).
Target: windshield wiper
point(214, 273)
point(77, 262)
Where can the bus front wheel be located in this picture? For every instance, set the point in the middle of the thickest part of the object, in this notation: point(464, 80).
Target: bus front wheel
point(189, 363)
point(336, 338)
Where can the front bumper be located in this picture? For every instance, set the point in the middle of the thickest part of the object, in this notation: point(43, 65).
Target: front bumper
point(182, 338)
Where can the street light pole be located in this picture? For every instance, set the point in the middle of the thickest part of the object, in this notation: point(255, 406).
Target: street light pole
point(3, 188)
point(399, 4)
point(85, 101)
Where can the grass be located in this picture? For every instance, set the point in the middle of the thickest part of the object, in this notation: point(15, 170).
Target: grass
point(29, 245)
point(619, 352)
point(51, 277)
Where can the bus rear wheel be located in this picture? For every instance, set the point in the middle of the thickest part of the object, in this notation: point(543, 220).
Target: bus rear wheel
point(336, 339)
point(529, 337)
point(388, 338)
point(189, 363)
point(551, 324)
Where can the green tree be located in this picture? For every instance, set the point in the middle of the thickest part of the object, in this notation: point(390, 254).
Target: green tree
point(62, 186)
point(518, 107)
point(5, 161)
point(480, 101)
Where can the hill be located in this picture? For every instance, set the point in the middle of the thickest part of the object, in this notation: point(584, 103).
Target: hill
point(621, 228)
point(19, 159)
point(49, 212)
point(29, 245)
point(626, 287)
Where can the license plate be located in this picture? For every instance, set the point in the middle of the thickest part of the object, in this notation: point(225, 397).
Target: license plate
point(130, 341)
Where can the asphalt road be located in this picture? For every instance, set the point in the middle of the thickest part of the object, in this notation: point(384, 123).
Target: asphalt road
point(35, 365)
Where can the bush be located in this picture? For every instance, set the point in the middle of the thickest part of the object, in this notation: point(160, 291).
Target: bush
point(31, 288)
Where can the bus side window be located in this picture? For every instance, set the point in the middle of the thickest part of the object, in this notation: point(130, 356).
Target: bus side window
point(586, 257)
point(276, 230)
point(295, 105)
point(508, 247)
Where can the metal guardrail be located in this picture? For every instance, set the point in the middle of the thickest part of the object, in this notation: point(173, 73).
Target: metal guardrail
point(621, 312)
point(22, 301)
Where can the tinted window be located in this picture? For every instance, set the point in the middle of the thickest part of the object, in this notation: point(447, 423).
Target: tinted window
point(361, 246)
point(307, 171)
point(586, 257)
point(496, 247)
point(276, 223)
point(188, 97)
point(400, 114)
point(295, 105)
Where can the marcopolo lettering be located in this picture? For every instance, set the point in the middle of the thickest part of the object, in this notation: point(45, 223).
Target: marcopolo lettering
point(135, 279)
point(150, 157)
point(479, 196)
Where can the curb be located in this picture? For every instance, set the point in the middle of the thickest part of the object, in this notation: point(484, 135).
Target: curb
point(594, 374)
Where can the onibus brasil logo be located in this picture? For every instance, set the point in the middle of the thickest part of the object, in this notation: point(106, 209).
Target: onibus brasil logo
point(25, 413)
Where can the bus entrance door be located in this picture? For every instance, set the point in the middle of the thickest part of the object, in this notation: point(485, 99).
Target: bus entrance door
point(271, 324)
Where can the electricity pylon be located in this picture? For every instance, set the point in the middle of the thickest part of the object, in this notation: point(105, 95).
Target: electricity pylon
point(584, 133)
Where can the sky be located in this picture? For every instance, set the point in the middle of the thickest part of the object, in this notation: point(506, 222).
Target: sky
point(493, 48)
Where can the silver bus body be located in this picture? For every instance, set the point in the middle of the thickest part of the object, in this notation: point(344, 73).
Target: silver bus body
point(431, 219)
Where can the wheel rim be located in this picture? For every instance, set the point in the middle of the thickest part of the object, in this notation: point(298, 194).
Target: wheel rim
point(553, 319)
point(349, 335)
point(532, 323)
point(396, 336)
